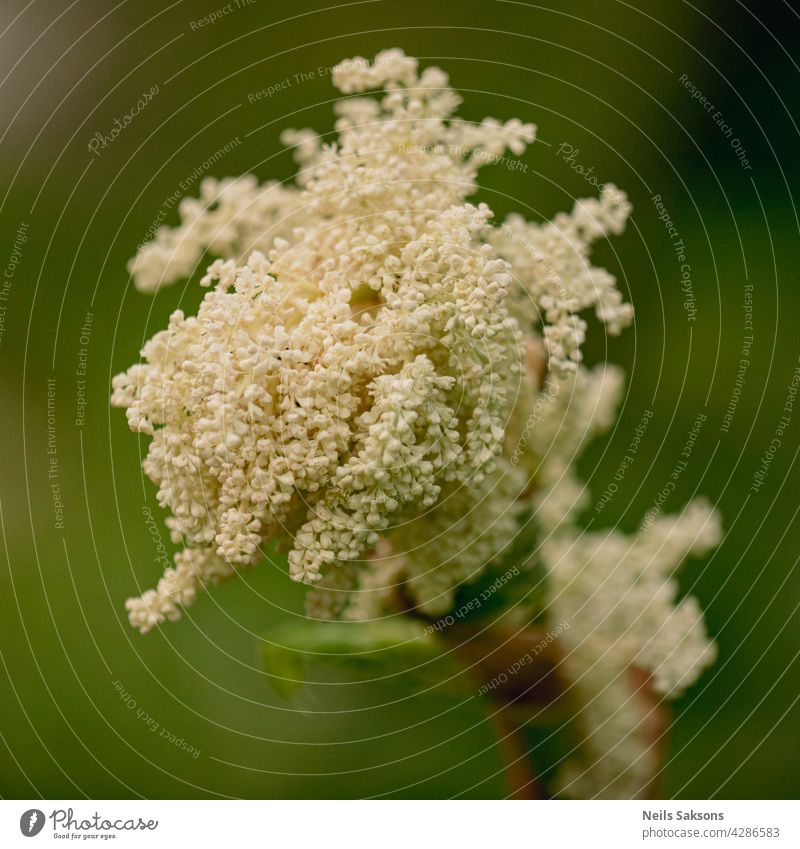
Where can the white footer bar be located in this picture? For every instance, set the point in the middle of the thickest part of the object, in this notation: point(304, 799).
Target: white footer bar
point(400, 824)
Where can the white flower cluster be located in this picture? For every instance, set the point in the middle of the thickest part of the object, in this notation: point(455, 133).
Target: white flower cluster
point(357, 387)
point(229, 217)
point(619, 595)
point(194, 568)
point(356, 371)
point(551, 261)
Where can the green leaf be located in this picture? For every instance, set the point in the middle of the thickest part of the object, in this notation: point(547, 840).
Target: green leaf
point(396, 646)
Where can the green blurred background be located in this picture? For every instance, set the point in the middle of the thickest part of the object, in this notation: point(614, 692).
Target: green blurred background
point(603, 77)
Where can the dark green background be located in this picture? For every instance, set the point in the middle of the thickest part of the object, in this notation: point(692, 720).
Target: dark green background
point(601, 76)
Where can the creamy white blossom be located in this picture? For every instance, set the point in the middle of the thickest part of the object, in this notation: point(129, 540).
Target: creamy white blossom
point(619, 594)
point(381, 380)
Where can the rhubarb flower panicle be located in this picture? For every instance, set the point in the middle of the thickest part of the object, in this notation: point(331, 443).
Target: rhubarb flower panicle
point(357, 358)
point(383, 381)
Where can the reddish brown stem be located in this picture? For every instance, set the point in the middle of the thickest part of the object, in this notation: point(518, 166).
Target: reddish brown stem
point(534, 690)
point(520, 772)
